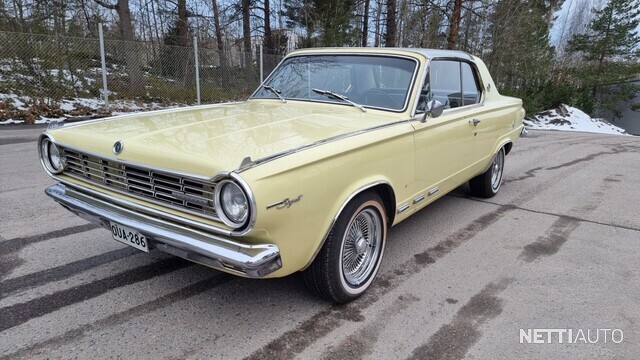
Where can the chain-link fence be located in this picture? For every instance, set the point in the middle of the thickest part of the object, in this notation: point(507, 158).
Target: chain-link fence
point(53, 68)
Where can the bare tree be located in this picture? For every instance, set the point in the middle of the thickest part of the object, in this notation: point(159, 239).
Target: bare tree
point(218, 31)
point(246, 32)
point(454, 25)
point(365, 23)
point(390, 36)
point(136, 80)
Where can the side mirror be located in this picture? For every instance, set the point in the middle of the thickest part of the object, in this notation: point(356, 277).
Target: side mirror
point(433, 109)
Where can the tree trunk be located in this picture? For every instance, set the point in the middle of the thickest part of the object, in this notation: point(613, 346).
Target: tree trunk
point(390, 37)
point(185, 69)
point(246, 33)
point(452, 39)
point(216, 25)
point(136, 80)
point(268, 39)
point(365, 23)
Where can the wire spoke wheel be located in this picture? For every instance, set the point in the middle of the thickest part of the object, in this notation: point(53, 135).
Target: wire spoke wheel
point(361, 247)
point(350, 258)
point(496, 170)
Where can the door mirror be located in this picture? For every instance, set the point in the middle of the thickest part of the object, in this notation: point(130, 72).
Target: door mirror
point(433, 109)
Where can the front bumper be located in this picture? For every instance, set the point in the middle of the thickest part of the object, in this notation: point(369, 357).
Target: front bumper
point(254, 261)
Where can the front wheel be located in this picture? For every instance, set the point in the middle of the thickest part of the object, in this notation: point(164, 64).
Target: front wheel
point(350, 257)
point(487, 184)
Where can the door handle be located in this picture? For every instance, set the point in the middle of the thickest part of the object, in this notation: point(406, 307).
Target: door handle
point(475, 122)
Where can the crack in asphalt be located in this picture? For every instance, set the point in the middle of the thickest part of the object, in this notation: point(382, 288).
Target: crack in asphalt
point(550, 213)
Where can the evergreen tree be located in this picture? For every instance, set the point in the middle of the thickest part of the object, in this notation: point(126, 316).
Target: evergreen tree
point(610, 50)
point(327, 22)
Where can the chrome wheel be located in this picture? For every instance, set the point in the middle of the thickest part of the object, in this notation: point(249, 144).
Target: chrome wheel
point(496, 170)
point(361, 247)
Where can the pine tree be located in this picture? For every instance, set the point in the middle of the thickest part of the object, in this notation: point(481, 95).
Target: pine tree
point(610, 50)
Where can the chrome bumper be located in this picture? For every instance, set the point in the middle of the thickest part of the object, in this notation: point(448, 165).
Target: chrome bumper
point(253, 261)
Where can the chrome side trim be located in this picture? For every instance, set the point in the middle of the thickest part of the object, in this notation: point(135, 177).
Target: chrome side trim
point(433, 191)
point(253, 261)
point(335, 218)
point(418, 198)
point(402, 208)
point(317, 143)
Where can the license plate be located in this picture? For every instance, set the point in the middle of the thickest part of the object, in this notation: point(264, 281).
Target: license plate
point(129, 236)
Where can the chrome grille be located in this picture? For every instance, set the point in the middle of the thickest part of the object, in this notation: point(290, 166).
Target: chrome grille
point(159, 187)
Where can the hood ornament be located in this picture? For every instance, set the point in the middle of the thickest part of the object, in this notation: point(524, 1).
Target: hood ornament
point(117, 147)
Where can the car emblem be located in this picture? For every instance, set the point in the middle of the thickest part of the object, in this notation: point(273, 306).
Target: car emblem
point(117, 147)
point(286, 203)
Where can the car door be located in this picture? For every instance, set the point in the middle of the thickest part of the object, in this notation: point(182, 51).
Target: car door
point(445, 146)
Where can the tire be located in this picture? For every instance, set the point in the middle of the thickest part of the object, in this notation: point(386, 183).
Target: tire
point(351, 255)
point(487, 184)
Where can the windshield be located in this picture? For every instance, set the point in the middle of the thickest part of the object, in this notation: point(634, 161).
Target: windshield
point(371, 81)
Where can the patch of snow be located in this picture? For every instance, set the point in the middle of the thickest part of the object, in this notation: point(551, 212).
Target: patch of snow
point(66, 106)
point(69, 107)
point(16, 101)
point(11, 121)
point(46, 120)
point(569, 118)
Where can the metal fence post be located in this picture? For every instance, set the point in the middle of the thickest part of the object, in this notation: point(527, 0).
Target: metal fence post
point(105, 91)
point(261, 64)
point(195, 54)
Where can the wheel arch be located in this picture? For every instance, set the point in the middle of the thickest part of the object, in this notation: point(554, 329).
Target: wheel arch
point(507, 147)
point(382, 188)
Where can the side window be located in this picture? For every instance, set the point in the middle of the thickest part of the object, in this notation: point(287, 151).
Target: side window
point(445, 83)
point(471, 94)
point(453, 83)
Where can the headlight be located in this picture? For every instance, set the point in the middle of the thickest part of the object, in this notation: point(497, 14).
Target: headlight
point(50, 156)
point(231, 203)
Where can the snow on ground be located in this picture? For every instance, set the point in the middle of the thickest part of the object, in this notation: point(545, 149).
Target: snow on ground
point(569, 118)
point(14, 108)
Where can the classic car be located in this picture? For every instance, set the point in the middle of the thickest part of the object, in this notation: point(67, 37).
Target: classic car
point(333, 148)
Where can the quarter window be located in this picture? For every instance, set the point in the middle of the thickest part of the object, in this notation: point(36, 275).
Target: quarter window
point(471, 94)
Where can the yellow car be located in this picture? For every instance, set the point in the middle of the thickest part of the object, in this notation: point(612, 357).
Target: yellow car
point(336, 146)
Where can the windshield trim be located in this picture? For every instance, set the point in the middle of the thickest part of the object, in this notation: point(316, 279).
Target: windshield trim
point(406, 101)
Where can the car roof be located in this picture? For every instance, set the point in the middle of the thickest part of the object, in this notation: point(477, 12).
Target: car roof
point(428, 53)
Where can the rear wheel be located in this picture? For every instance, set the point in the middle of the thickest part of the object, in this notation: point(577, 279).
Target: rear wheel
point(350, 257)
point(487, 184)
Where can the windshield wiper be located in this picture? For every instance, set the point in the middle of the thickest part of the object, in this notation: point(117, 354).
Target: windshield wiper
point(275, 91)
point(339, 97)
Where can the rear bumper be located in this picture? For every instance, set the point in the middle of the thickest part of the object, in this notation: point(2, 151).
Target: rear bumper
point(254, 261)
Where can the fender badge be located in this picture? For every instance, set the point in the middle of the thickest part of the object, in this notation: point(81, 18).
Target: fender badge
point(286, 203)
point(117, 147)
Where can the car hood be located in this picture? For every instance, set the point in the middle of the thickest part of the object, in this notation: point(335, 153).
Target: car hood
point(206, 140)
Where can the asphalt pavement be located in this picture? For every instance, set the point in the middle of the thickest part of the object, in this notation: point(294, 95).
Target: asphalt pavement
point(554, 255)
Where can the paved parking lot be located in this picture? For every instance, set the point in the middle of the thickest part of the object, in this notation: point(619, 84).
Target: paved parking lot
point(558, 248)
